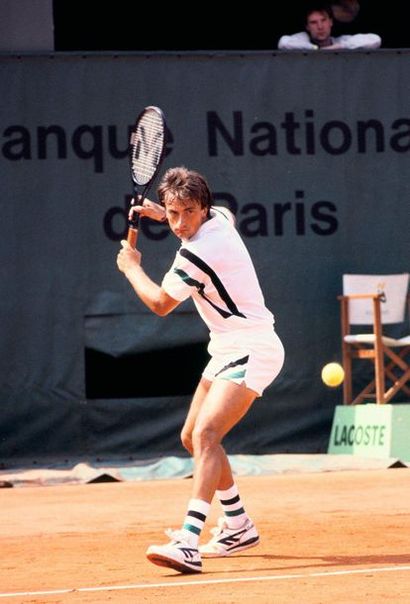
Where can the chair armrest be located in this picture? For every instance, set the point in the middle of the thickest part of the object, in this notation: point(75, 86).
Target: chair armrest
point(360, 296)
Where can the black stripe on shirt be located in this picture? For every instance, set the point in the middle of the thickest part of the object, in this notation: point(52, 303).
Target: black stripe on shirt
point(215, 280)
point(200, 287)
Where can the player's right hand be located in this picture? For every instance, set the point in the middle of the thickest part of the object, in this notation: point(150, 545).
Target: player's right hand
point(128, 257)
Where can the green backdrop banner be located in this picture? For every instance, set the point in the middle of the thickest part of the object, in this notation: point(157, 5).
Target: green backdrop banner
point(311, 151)
point(376, 431)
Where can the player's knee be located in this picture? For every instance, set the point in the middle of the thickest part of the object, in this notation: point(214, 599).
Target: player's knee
point(205, 437)
point(186, 440)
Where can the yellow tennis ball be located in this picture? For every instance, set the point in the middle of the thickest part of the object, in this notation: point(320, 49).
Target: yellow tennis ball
point(333, 374)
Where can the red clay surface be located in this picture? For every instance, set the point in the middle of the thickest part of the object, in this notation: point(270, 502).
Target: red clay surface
point(339, 537)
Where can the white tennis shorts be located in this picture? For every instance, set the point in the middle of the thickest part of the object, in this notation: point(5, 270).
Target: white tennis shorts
point(251, 356)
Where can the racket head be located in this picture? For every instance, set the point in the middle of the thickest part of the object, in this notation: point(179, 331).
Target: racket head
point(147, 145)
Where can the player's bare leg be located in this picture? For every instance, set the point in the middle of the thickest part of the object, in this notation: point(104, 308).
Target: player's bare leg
point(225, 478)
point(215, 409)
point(224, 405)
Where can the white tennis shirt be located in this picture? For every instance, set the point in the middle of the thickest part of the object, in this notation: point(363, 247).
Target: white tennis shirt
point(215, 269)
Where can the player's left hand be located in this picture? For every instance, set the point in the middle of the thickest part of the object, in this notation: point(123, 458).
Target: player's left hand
point(148, 208)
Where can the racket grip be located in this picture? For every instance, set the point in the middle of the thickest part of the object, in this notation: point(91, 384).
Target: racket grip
point(132, 237)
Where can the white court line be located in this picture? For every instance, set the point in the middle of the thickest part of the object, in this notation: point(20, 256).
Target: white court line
point(335, 573)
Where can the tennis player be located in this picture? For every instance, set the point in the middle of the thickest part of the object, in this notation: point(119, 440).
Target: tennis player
point(213, 267)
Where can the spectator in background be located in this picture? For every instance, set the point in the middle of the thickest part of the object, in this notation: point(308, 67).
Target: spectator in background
point(345, 11)
point(353, 17)
point(318, 34)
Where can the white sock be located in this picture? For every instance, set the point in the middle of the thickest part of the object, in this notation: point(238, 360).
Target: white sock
point(195, 520)
point(232, 507)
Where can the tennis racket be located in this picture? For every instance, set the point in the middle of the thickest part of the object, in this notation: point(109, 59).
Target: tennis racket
point(146, 151)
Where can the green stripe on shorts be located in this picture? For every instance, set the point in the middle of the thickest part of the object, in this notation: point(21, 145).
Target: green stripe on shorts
point(235, 375)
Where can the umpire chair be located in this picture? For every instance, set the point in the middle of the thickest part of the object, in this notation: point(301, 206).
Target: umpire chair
point(374, 302)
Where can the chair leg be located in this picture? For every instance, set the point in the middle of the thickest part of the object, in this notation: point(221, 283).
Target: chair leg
point(346, 360)
point(380, 381)
point(347, 383)
point(395, 379)
point(378, 354)
point(367, 391)
point(398, 385)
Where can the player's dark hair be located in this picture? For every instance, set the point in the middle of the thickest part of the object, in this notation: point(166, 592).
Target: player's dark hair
point(185, 184)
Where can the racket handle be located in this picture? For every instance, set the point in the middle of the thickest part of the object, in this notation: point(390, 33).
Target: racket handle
point(132, 237)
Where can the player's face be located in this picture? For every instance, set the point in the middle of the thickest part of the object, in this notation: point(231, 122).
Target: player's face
point(184, 217)
point(319, 26)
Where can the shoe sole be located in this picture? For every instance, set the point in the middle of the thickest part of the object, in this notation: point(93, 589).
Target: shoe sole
point(160, 560)
point(237, 550)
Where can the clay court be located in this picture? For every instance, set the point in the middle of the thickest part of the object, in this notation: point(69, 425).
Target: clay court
point(328, 537)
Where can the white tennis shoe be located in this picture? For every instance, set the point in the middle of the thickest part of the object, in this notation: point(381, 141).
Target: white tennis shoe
point(227, 541)
point(178, 554)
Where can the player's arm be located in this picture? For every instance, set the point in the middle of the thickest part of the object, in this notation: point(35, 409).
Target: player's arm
point(151, 294)
point(149, 208)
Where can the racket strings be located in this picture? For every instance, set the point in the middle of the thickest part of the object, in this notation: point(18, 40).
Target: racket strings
point(146, 143)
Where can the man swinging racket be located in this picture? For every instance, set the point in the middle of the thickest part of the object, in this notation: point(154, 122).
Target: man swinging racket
point(213, 267)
